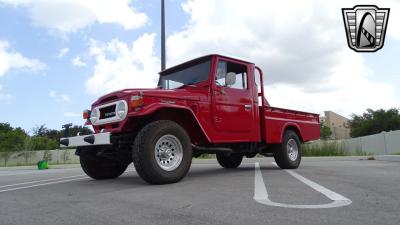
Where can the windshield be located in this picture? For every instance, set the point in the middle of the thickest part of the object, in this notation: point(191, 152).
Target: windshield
point(185, 76)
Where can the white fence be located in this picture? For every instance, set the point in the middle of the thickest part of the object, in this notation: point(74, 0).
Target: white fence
point(384, 143)
point(32, 157)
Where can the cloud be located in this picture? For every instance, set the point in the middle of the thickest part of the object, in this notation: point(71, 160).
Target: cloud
point(346, 91)
point(4, 97)
point(59, 97)
point(62, 52)
point(77, 61)
point(72, 114)
point(301, 46)
point(394, 17)
point(70, 15)
point(120, 65)
point(10, 60)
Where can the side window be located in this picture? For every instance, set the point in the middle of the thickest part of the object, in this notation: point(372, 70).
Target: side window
point(240, 71)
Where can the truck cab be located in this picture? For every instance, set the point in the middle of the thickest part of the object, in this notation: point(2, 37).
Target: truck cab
point(213, 104)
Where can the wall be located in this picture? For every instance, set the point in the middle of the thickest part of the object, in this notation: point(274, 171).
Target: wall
point(338, 125)
point(384, 143)
point(32, 157)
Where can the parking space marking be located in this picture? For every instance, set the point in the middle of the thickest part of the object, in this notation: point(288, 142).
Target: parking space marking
point(261, 194)
point(14, 174)
point(43, 184)
point(38, 181)
point(4, 173)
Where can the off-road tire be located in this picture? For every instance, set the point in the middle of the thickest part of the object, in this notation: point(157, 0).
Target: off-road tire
point(144, 156)
point(282, 151)
point(101, 168)
point(229, 161)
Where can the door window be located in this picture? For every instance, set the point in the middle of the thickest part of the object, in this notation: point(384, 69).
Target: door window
point(240, 71)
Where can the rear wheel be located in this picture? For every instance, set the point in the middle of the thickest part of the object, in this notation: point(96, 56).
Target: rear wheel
point(162, 152)
point(100, 168)
point(288, 154)
point(229, 161)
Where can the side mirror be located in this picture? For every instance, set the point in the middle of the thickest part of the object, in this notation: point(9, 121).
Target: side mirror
point(230, 79)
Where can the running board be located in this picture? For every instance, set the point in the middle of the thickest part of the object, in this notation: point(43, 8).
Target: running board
point(212, 150)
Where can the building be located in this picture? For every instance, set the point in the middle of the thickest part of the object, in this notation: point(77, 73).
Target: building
point(338, 124)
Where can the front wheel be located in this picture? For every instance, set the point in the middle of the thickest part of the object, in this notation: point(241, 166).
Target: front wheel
point(162, 152)
point(100, 168)
point(229, 161)
point(288, 154)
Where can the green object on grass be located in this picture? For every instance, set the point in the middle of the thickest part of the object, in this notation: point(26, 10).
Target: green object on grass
point(43, 165)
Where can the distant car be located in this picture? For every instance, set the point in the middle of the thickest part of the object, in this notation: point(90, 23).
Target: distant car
point(211, 104)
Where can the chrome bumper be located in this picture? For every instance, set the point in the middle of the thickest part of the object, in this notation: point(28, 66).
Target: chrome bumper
point(86, 140)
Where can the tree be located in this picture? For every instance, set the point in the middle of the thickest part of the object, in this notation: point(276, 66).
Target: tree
point(43, 131)
point(73, 131)
point(374, 121)
point(47, 139)
point(40, 130)
point(5, 127)
point(16, 139)
point(325, 131)
point(43, 143)
point(11, 139)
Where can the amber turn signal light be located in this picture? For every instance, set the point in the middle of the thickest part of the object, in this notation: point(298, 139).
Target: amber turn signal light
point(86, 114)
point(136, 101)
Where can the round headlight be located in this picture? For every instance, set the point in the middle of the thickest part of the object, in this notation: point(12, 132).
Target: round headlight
point(93, 116)
point(121, 109)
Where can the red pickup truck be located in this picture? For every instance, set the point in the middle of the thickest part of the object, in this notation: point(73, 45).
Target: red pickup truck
point(213, 104)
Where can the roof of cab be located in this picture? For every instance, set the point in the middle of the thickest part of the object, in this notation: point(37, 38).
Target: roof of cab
point(195, 60)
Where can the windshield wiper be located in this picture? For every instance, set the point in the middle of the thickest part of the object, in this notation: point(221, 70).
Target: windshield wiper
point(187, 85)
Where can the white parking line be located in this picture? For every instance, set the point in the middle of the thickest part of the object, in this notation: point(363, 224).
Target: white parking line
point(43, 184)
point(14, 174)
point(38, 181)
point(261, 194)
point(4, 173)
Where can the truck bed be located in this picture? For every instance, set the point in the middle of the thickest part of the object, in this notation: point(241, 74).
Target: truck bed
point(276, 120)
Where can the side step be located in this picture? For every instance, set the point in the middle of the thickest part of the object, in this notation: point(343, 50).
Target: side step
point(211, 150)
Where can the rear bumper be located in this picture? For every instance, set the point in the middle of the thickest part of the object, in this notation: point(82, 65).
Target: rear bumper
point(87, 140)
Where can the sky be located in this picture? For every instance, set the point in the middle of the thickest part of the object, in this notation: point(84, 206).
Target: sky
point(58, 57)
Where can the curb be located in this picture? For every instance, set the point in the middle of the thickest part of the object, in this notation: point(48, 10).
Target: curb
point(390, 158)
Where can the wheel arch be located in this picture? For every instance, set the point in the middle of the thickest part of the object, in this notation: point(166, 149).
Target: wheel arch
point(293, 127)
point(180, 115)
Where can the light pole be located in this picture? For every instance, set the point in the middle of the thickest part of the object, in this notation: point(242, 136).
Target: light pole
point(162, 35)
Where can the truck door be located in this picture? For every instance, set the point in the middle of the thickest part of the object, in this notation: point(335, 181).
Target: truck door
point(233, 104)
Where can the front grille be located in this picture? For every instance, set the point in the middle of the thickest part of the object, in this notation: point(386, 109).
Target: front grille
point(107, 112)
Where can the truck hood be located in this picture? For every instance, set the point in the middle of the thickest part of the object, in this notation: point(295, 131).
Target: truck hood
point(182, 93)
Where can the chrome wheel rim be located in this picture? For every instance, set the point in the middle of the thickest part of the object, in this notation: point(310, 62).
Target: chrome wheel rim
point(292, 149)
point(168, 152)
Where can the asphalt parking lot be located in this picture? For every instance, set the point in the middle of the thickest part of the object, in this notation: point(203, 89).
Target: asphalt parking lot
point(343, 190)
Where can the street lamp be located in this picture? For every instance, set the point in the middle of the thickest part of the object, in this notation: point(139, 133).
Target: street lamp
point(162, 35)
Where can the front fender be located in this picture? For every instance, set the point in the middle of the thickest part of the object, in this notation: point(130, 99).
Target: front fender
point(154, 108)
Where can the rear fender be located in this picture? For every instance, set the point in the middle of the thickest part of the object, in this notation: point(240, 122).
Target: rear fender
point(291, 126)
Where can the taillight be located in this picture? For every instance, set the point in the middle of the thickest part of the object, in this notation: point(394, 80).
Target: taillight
point(86, 114)
point(136, 101)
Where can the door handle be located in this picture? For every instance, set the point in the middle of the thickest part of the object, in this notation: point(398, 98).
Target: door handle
point(247, 106)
